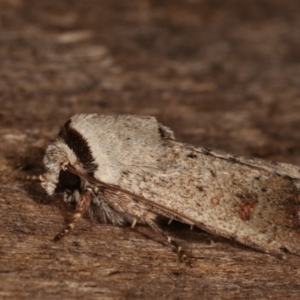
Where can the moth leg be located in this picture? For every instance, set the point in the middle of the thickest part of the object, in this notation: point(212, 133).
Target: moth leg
point(81, 207)
point(180, 252)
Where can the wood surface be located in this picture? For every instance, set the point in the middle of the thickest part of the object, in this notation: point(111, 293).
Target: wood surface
point(221, 74)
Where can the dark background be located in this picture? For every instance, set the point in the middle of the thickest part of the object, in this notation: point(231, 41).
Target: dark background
point(222, 74)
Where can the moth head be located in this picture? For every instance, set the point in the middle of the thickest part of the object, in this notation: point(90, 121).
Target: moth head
point(57, 178)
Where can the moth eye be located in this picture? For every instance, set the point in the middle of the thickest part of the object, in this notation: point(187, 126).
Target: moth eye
point(68, 181)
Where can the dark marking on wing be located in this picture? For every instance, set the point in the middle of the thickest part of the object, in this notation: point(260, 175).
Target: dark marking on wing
point(192, 155)
point(291, 207)
point(206, 151)
point(213, 173)
point(200, 188)
point(233, 158)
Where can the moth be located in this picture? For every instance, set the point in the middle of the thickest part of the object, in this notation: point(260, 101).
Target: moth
point(125, 169)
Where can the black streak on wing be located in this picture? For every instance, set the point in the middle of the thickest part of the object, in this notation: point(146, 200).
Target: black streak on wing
point(79, 145)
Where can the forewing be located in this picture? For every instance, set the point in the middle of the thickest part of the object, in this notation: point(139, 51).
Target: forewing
point(254, 206)
point(283, 169)
point(252, 201)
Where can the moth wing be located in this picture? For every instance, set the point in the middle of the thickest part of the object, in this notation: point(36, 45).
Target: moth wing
point(250, 200)
point(242, 200)
point(283, 169)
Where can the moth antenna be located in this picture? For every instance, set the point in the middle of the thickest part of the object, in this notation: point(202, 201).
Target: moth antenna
point(31, 177)
point(192, 227)
point(170, 221)
point(180, 252)
point(82, 206)
point(133, 223)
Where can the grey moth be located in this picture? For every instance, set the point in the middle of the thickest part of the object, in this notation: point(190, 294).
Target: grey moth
point(125, 169)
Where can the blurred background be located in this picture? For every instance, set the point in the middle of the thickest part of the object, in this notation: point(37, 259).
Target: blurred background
point(222, 74)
